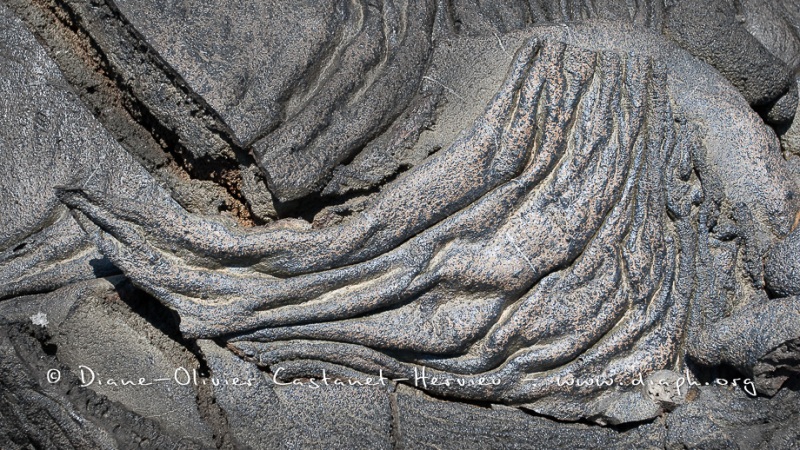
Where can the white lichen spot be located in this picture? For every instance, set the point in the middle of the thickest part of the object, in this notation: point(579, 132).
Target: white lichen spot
point(40, 319)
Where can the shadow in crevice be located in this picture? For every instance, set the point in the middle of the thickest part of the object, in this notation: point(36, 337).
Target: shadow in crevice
point(102, 267)
point(150, 309)
point(167, 322)
point(709, 376)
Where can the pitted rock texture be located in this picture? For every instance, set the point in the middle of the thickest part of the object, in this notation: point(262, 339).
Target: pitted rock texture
point(49, 139)
point(69, 415)
point(563, 233)
point(497, 205)
point(311, 86)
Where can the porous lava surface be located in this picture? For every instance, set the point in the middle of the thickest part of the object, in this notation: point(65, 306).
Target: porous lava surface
point(399, 224)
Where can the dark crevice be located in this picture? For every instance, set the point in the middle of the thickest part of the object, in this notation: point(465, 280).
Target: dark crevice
point(309, 207)
point(168, 322)
point(395, 430)
point(211, 412)
point(201, 107)
point(707, 375)
point(41, 412)
point(50, 348)
point(461, 401)
point(619, 428)
point(101, 85)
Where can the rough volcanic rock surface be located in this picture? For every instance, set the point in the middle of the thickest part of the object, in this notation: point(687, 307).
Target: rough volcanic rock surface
point(398, 224)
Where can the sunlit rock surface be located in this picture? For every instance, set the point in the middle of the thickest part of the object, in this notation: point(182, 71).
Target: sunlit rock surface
point(349, 225)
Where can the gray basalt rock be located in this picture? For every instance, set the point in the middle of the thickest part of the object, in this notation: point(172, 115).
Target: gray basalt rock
point(150, 112)
point(427, 423)
point(51, 343)
point(740, 341)
point(305, 90)
point(782, 267)
point(247, 58)
point(398, 224)
point(790, 136)
point(49, 139)
point(725, 417)
point(776, 26)
point(304, 413)
point(107, 345)
point(666, 387)
point(712, 32)
point(468, 260)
